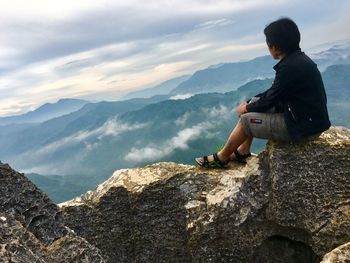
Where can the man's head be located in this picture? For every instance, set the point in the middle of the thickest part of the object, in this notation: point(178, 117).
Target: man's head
point(282, 37)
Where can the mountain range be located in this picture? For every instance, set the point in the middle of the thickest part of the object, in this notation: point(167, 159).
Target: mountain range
point(225, 77)
point(68, 160)
point(70, 154)
point(45, 112)
point(163, 88)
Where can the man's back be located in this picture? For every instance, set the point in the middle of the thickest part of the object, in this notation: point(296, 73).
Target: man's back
point(306, 102)
point(299, 92)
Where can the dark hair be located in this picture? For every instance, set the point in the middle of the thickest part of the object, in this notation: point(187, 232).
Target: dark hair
point(283, 34)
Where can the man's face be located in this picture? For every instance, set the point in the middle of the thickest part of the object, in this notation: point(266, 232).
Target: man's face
point(273, 51)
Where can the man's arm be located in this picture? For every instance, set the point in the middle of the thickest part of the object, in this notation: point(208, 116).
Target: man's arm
point(258, 95)
point(241, 109)
point(280, 87)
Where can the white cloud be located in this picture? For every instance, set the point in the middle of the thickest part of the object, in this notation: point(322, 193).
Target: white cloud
point(115, 75)
point(214, 23)
point(241, 48)
point(110, 128)
point(182, 119)
point(210, 6)
point(35, 161)
point(48, 9)
point(190, 50)
point(146, 60)
point(180, 141)
point(221, 113)
point(181, 96)
point(67, 55)
point(183, 137)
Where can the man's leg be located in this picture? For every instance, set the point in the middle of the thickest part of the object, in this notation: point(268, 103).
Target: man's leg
point(237, 139)
point(253, 124)
point(244, 148)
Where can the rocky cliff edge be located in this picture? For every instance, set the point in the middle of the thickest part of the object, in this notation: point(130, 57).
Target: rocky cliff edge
point(289, 204)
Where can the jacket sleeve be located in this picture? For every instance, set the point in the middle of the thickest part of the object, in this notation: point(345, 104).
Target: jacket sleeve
point(258, 95)
point(280, 88)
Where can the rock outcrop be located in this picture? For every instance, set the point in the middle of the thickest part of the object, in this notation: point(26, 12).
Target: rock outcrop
point(340, 254)
point(32, 228)
point(289, 204)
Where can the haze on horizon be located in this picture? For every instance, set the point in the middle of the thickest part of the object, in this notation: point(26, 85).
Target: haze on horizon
point(100, 50)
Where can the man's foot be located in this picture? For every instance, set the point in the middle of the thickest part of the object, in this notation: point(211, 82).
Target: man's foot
point(239, 157)
point(211, 161)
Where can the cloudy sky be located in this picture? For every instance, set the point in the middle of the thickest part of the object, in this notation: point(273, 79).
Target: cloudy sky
point(101, 49)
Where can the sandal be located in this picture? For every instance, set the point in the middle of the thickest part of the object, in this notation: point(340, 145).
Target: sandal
point(240, 158)
point(216, 163)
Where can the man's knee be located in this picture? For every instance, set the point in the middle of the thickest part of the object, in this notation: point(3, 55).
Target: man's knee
point(244, 119)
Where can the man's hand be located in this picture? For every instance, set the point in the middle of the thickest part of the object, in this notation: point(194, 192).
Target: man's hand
point(241, 109)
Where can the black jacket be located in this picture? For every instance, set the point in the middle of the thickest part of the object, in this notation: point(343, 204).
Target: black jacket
point(299, 93)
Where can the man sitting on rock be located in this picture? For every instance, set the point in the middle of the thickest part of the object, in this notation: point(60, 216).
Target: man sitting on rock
point(293, 109)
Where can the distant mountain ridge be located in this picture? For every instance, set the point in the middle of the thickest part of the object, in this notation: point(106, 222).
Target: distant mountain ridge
point(161, 89)
point(45, 112)
point(225, 77)
point(18, 138)
point(331, 54)
point(221, 77)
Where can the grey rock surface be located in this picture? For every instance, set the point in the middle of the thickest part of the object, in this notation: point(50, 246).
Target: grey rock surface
point(289, 204)
point(32, 228)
